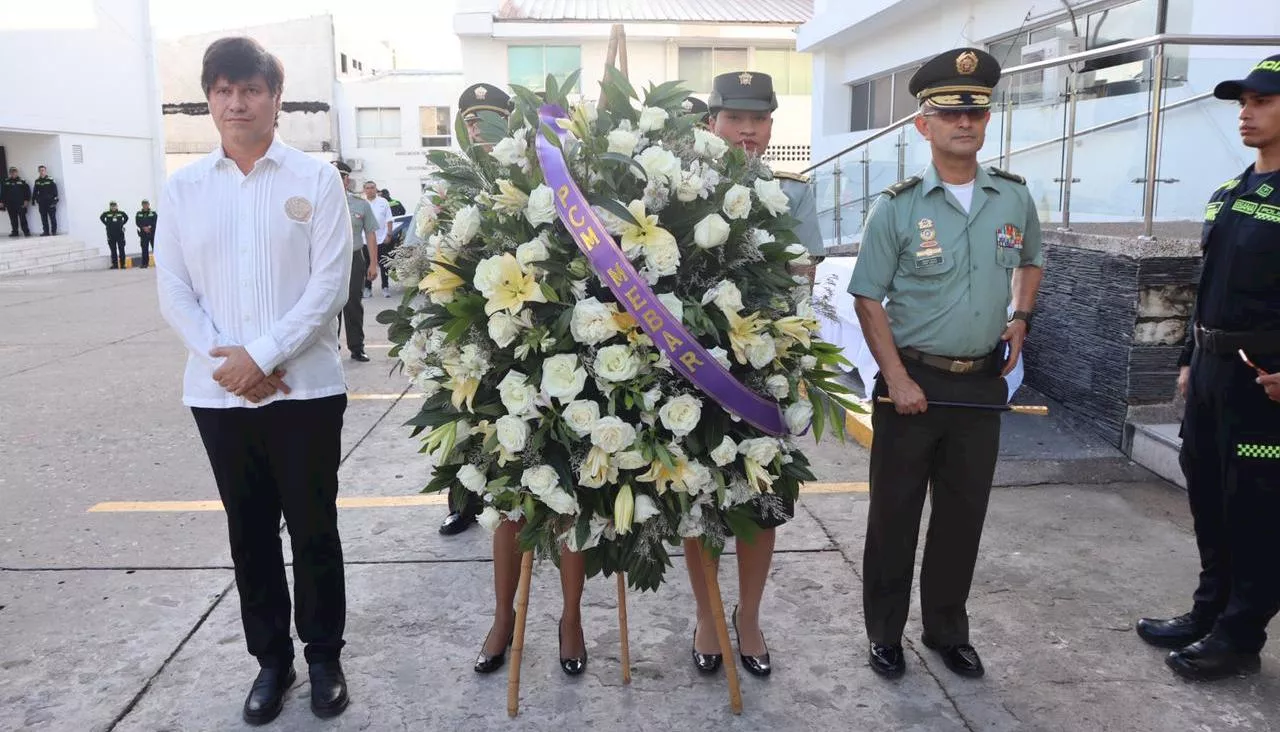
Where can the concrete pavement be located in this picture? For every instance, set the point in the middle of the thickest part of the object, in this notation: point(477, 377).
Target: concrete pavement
point(129, 620)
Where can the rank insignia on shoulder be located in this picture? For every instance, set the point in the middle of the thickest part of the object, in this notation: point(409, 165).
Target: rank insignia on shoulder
point(1007, 175)
point(902, 185)
point(784, 175)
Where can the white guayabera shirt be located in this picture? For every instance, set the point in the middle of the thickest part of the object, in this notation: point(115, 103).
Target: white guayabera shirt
point(260, 260)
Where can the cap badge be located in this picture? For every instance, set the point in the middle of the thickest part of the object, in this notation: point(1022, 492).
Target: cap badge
point(481, 93)
point(744, 78)
point(967, 63)
point(687, 106)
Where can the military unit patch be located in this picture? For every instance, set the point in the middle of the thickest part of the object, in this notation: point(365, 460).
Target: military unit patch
point(1264, 190)
point(1009, 237)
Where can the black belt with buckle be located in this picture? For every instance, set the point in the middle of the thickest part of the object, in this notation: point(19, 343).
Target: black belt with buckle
point(986, 363)
point(1227, 342)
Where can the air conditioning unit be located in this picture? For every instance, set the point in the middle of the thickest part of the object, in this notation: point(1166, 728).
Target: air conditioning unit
point(1046, 85)
point(356, 164)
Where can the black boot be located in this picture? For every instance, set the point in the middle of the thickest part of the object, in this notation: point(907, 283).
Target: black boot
point(1175, 633)
point(266, 697)
point(1211, 658)
point(328, 689)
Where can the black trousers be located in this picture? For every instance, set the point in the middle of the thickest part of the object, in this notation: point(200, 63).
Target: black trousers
point(18, 218)
point(49, 218)
point(116, 242)
point(1231, 459)
point(952, 451)
point(145, 240)
point(282, 459)
point(353, 311)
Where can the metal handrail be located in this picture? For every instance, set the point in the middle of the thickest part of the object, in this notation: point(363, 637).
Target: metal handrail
point(1173, 39)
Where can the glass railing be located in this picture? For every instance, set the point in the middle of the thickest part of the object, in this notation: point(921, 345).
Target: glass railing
point(1081, 130)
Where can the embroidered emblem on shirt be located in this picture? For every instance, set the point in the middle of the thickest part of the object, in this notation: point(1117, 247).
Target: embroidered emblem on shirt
point(1247, 208)
point(1009, 237)
point(1269, 213)
point(1264, 190)
point(928, 258)
point(298, 209)
point(1211, 211)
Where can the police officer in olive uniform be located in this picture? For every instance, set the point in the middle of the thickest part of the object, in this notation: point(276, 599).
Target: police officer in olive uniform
point(949, 249)
point(1231, 427)
point(115, 219)
point(15, 195)
point(146, 222)
point(45, 193)
point(364, 253)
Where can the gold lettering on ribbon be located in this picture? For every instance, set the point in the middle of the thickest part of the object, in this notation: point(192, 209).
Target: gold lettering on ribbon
point(633, 297)
point(672, 342)
point(579, 221)
point(617, 274)
point(563, 195)
point(652, 319)
point(590, 238)
point(690, 361)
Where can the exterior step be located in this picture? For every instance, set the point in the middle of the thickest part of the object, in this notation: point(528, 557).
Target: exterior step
point(85, 263)
point(1155, 447)
point(43, 255)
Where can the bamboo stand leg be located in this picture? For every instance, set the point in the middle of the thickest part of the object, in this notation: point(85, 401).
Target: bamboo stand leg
point(722, 630)
point(517, 642)
point(622, 628)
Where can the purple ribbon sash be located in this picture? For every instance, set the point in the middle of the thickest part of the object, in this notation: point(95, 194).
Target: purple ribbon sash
point(630, 289)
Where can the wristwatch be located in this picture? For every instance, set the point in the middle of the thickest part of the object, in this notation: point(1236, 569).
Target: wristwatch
point(1024, 316)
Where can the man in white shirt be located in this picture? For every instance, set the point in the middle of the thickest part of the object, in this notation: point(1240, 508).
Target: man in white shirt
point(382, 217)
point(253, 264)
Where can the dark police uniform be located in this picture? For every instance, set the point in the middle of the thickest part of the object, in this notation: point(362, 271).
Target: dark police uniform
point(46, 196)
point(146, 222)
point(115, 221)
point(694, 105)
point(15, 194)
point(946, 273)
point(1231, 428)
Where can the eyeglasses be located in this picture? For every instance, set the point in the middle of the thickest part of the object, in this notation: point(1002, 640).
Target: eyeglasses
point(954, 115)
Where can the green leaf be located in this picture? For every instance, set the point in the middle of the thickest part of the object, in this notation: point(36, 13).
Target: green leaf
point(492, 126)
point(627, 160)
point(613, 207)
point(617, 79)
point(819, 411)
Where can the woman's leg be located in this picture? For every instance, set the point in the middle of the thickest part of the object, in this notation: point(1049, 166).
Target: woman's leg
point(754, 558)
point(704, 640)
point(573, 574)
point(506, 575)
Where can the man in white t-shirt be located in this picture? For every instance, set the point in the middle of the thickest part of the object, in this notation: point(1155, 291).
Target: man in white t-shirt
point(382, 216)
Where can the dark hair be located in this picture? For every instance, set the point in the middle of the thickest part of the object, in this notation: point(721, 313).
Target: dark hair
point(239, 58)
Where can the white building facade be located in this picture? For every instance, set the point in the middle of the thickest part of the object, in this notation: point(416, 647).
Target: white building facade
point(521, 41)
point(94, 119)
point(864, 53)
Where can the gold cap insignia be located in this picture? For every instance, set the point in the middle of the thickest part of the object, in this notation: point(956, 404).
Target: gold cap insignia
point(967, 63)
point(481, 93)
point(744, 78)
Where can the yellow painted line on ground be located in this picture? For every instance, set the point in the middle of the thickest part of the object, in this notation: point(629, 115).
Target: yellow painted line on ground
point(367, 346)
point(382, 397)
point(430, 499)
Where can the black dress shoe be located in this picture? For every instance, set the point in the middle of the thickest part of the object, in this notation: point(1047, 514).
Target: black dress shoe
point(1212, 658)
point(961, 658)
point(328, 689)
point(572, 666)
point(1174, 633)
point(359, 356)
point(755, 665)
point(266, 696)
point(886, 659)
point(457, 522)
point(707, 663)
point(488, 664)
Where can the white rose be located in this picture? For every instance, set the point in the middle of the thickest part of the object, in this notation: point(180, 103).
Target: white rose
point(737, 202)
point(616, 363)
point(517, 395)
point(503, 328)
point(708, 144)
point(652, 118)
point(623, 142)
point(689, 187)
point(542, 206)
point(725, 295)
point(426, 384)
point(697, 479)
point(513, 433)
point(799, 415)
point(759, 237)
point(511, 151)
point(612, 224)
point(534, 250)
point(770, 194)
point(562, 377)
point(630, 460)
point(681, 415)
point(799, 255)
point(808, 363)
point(472, 479)
point(778, 386)
point(488, 275)
point(560, 501)
point(662, 257)
point(581, 416)
point(425, 221)
point(466, 224)
point(761, 351)
point(760, 449)
point(673, 304)
point(540, 479)
point(721, 356)
point(489, 518)
point(592, 322)
point(644, 510)
point(724, 453)
point(612, 434)
point(711, 232)
point(658, 164)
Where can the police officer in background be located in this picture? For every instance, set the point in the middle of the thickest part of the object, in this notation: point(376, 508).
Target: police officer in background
point(115, 219)
point(364, 267)
point(397, 208)
point(15, 195)
point(1231, 427)
point(948, 248)
point(146, 222)
point(45, 193)
point(694, 105)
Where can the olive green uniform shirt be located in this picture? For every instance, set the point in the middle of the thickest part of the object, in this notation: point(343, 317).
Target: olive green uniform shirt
point(947, 274)
point(362, 220)
point(804, 207)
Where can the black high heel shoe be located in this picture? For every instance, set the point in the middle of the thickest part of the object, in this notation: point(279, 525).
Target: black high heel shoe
point(486, 664)
point(707, 663)
point(572, 666)
point(755, 665)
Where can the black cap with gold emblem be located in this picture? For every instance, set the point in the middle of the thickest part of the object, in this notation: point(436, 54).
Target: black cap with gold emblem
point(961, 78)
point(750, 91)
point(694, 105)
point(483, 97)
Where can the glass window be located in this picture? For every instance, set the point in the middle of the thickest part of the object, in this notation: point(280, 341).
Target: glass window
point(801, 72)
point(792, 72)
point(344, 62)
point(860, 115)
point(377, 127)
point(528, 66)
point(695, 69)
point(882, 101)
point(434, 123)
point(904, 103)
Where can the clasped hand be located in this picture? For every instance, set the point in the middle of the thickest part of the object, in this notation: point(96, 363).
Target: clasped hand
point(240, 375)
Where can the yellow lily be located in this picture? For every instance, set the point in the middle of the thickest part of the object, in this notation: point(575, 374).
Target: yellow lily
point(515, 288)
point(624, 508)
point(596, 470)
point(440, 283)
point(743, 332)
point(510, 199)
point(796, 328)
point(648, 232)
